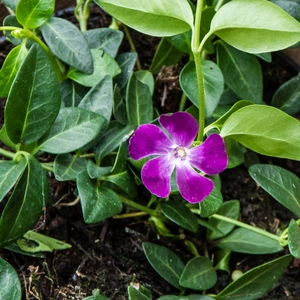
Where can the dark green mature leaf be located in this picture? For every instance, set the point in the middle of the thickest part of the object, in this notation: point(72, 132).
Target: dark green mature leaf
point(246, 241)
point(211, 204)
point(257, 24)
point(213, 84)
point(287, 97)
point(293, 238)
point(9, 174)
point(97, 203)
point(73, 128)
point(11, 20)
point(180, 214)
point(138, 293)
point(34, 99)
point(151, 17)
point(66, 41)
point(10, 67)
point(104, 65)
point(235, 152)
point(165, 262)
point(96, 296)
point(25, 205)
point(281, 184)
point(72, 92)
point(100, 98)
point(182, 41)
point(106, 39)
point(9, 282)
point(260, 128)
point(119, 108)
point(32, 14)
point(256, 282)
point(189, 297)
point(11, 3)
point(198, 274)
point(242, 72)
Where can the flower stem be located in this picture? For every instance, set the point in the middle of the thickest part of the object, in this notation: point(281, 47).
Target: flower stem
point(6, 153)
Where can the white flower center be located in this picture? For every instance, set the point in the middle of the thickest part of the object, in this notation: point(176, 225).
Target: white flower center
point(180, 153)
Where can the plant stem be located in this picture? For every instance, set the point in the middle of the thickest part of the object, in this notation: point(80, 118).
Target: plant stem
point(82, 13)
point(219, 4)
point(182, 102)
point(6, 153)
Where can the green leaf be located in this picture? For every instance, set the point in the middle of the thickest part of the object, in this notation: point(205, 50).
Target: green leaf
point(32, 14)
point(281, 184)
point(9, 282)
point(72, 93)
point(257, 24)
point(67, 42)
point(138, 293)
point(96, 296)
point(119, 108)
point(292, 7)
point(189, 297)
point(213, 84)
point(9, 174)
point(97, 203)
point(10, 67)
point(287, 97)
point(96, 172)
point(198, 274)
point(293, 238)
point(146, 77)
point(235, 152)
point(256, 282)
point(11, 20)
point(211, 204)
point(181, 41)
point(180, 214)
point(260, 128)
point(230, 209)
point(246, 241)
point(151, 17)
point(104, 65)
point(11, 3)
point(139, 101)
point(67, 166)
point(40, 243)
point(34, 99)
point(73, 128)
point(106, 39)
point(165, 262)
point(25, 205)
point(242, 72)
point(99, 99)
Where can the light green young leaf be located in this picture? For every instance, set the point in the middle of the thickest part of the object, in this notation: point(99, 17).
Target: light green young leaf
point(292, 7)
point(156, 17)
point(260, 128)
point(250, 26)
point(293, 239)
point(96, 296)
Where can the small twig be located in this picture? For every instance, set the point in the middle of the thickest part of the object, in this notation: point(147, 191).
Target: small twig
point(73, 203)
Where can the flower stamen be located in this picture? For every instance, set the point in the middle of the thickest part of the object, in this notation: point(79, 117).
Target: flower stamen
point(180, 153)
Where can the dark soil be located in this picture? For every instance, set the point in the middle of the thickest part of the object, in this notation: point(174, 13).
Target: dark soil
point(108, 256)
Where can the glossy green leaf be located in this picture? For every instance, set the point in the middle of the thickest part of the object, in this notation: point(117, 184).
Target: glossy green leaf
point(138, 293)
point(34, 99)
point(9, 282)
point(246, 241)
point(96, 296)
point(106, 39)
point(147, 78)
point(32, 14)
point(66, 42)
point(213, 84)
point(256, 282)
point(25, 205)
point(138, 102)
point(198, 274)
point(97, 203)
point(10, 67)
point(292, 7)
point(96, 172)
point(119, 107)
point(222, 260)
point(166, 54)
point(257, 24)
point(11, 20)
point(211, 204)
point(73, 128)
point(230, 209)
point(235, 152)
point(260, 128)
point(99, 99)
point(165, 262)
point(36, 242)
point(181, 41)
point(72, 93)
point(287, 97)
point(207, 16)
point(293, 238)
point(242, 72)
point(11, 3)
point(9, 174)
point(180, 214)
point(104, 65)
point(281, 184)
point(189, 297)
point(67, 166)
point(151, 17)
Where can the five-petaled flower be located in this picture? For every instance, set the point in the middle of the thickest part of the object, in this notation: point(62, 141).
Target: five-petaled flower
point(173, 152)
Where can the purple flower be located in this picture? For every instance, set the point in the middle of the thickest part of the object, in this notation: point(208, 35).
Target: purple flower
point(174, 152)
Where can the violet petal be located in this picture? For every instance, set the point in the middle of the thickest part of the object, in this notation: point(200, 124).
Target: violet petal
point(156, 175)
point(147, 140)
point(210, 157)
point(183, 128)
point(193, 187)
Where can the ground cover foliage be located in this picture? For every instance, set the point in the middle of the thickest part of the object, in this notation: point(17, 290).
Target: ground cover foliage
point(75, 96)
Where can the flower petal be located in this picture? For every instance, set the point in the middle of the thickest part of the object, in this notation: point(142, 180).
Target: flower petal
point(210, 157)
point(147, 140)
point(156, 175)
point(193, 187)
point(182, 127)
